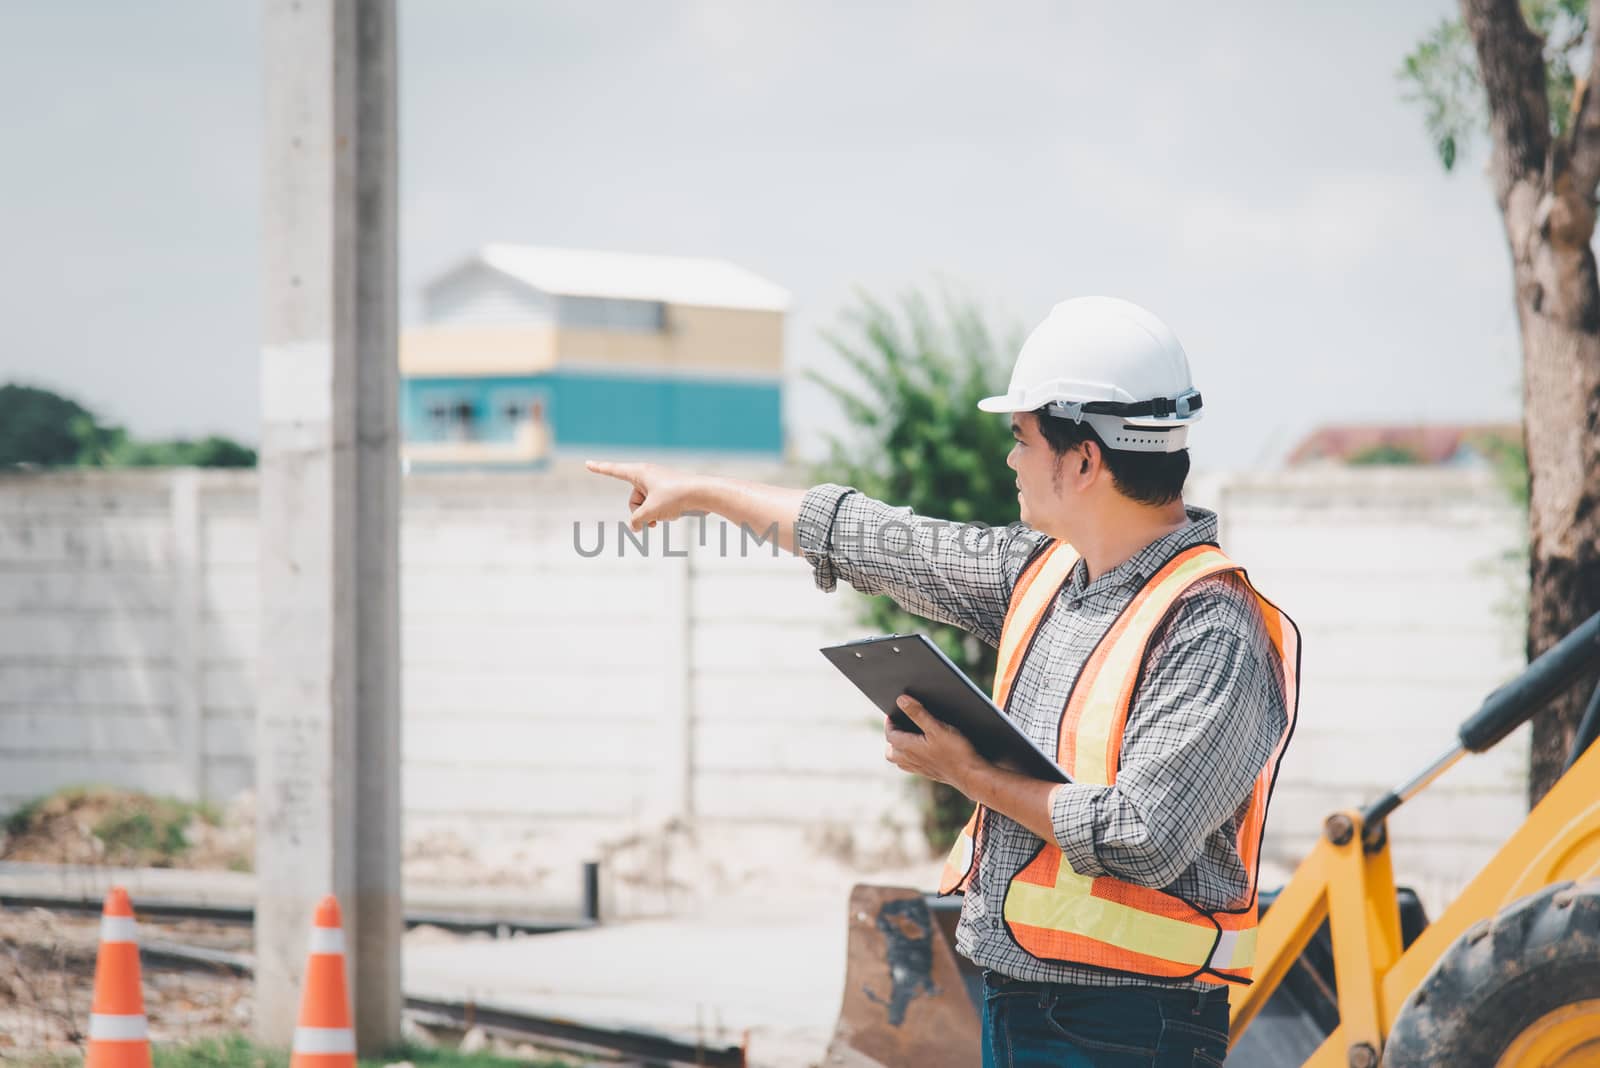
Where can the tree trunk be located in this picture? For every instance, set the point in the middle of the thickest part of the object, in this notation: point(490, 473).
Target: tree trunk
point(1549, 226)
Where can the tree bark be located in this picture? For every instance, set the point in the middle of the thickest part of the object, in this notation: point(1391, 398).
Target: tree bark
point(1548, 207)
point(1558, 311)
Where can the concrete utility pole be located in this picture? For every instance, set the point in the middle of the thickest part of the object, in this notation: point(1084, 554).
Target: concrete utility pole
point(328, 723)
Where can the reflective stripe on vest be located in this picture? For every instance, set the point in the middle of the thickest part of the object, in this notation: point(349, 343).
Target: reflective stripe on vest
point(1053, 912)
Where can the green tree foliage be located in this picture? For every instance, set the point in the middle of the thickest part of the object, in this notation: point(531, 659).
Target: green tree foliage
point(1509, 461)
point(212, 451)
point(918, 440)
point(39, 427)
point(1384, 454)
point(44, 429)
point(1441, 74)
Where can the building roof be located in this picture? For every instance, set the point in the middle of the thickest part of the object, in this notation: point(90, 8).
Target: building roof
point(631, 276)
point(1429, 444)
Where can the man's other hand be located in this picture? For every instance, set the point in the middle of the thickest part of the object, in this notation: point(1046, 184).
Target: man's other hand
point(940, 752)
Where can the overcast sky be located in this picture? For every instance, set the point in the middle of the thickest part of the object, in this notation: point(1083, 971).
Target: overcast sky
point(1250, 172)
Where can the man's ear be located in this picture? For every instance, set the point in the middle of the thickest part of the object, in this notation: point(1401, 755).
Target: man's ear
point(1091, 455)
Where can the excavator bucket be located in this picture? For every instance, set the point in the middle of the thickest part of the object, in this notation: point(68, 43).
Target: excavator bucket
point(905, 1002)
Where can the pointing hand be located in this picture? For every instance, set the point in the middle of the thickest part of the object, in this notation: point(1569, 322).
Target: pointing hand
point(659, 493)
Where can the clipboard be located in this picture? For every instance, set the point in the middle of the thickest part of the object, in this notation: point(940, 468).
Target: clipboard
point(885, 667)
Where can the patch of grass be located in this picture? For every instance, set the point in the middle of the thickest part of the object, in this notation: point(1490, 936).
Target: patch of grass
point(152, 827)
point(237, 1051)
point(142, 832)
point(439, 1057)
point(23, 817)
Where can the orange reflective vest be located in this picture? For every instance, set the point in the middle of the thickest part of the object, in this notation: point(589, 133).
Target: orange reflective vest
point(1051, 911)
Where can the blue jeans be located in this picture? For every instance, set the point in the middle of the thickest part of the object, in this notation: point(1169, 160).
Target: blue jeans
point(1060, 1025)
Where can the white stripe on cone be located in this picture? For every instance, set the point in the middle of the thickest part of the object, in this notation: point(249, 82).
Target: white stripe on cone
point(118, 929)
point(107, 1028)
point(327, 940)
point(324, 1040)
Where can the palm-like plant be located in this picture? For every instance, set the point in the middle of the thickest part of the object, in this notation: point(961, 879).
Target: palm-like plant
point(918, 439)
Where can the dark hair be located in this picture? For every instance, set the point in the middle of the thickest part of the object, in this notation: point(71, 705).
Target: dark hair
point(1147, 477)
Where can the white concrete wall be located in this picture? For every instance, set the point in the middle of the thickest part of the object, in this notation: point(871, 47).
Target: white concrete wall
point(1405, 585)
point(606, 695)
point(89, 686)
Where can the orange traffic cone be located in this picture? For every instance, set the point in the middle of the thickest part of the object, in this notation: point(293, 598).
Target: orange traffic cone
point(119, 1034)
point(325, 1037)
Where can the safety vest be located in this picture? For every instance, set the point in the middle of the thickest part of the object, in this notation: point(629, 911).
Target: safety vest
point(1051, 911)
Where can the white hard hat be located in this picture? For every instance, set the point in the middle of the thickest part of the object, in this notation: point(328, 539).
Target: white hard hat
point(1109, 363)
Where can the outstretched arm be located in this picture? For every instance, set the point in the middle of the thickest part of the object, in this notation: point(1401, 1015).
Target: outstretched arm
point(955, 573)
point(662, 493)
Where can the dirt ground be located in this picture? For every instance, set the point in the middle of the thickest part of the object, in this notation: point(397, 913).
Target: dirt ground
point(47, 982)
point(47, 958)
point(47, 986)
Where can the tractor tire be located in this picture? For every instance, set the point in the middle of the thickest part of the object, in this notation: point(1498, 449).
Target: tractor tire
point(1520, 990)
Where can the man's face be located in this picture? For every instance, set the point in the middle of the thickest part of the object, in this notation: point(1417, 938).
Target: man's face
point(1039, 491)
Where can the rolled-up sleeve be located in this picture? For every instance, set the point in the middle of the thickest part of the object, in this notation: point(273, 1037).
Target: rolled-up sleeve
point(956, 573)
point(814, 531)
point(1206, 718)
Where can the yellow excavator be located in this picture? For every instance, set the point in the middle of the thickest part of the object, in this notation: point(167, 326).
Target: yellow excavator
point(1349, 971)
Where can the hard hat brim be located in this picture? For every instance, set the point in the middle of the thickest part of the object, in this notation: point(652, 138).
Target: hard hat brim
point(1001, 403)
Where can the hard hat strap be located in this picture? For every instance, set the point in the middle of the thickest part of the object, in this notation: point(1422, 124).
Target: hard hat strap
point(1181, 407)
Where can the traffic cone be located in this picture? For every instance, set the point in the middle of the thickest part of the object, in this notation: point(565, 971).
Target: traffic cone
point(325, 1037)
point(119, 1033)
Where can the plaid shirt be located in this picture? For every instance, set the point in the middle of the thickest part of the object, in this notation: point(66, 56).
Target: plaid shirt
point(1205, 718)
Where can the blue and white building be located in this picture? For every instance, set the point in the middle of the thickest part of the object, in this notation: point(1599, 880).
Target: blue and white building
point(526, 353)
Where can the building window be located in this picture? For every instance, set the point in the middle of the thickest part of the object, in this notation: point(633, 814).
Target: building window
point(606, 313)
point(517, 410)
point(462, 417)
point(449, 418)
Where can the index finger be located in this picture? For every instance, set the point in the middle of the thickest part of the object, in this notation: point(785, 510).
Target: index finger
point(603, 467)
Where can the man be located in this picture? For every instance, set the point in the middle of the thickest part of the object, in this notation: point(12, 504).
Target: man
point(1110, 913)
